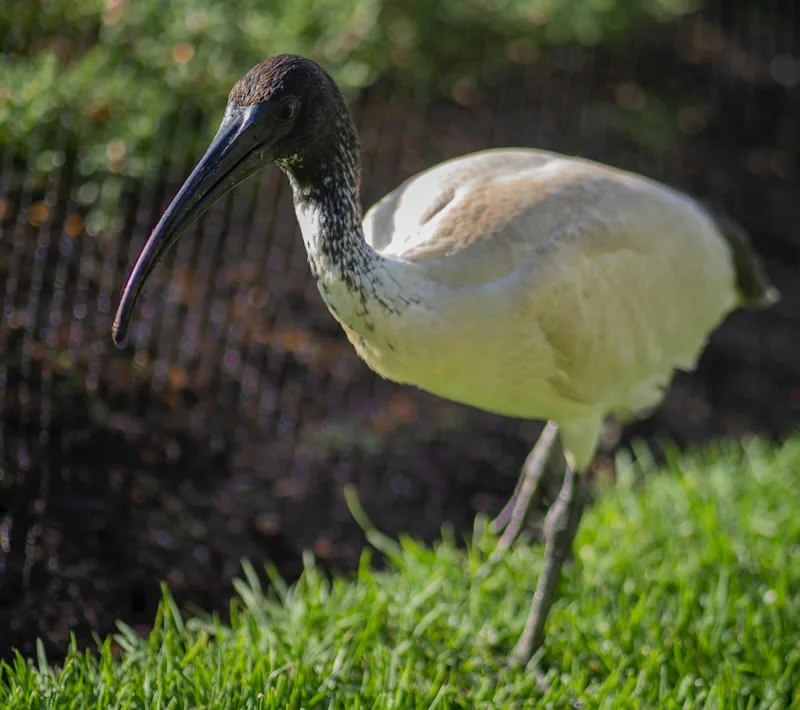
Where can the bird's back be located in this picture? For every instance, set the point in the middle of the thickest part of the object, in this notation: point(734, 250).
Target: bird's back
point(511, 200)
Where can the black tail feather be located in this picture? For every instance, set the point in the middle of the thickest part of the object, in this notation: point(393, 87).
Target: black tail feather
point(754, 286)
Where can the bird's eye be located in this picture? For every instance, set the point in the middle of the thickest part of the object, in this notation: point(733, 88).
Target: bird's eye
point(287, 110)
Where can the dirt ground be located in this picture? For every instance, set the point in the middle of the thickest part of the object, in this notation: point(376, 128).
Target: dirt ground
point(229, 426)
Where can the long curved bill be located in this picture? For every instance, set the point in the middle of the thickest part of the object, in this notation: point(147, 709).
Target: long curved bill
point(236, 152)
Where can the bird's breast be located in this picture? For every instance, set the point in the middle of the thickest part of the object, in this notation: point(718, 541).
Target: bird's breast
point(474, 351)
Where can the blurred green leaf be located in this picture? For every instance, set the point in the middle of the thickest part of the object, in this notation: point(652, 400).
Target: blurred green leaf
point(111, 75)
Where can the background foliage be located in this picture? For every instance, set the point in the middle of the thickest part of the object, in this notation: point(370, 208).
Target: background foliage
point(108, 75)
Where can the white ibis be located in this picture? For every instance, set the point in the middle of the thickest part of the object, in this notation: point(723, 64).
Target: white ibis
point(520, 282)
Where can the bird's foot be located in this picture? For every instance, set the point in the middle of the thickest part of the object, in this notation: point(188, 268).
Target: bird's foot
point(528, 490)
point(542, 683)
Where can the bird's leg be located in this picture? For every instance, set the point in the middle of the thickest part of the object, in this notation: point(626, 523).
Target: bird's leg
point(513, 515)
point(526, 480)
point(560, 527)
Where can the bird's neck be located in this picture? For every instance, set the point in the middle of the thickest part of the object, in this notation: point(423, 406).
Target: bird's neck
point(349, 273)
point(326, 203)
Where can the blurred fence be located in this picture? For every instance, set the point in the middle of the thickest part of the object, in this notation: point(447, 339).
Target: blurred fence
point(228, 425)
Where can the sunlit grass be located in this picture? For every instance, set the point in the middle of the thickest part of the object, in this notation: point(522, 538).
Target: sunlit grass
point(685, 594)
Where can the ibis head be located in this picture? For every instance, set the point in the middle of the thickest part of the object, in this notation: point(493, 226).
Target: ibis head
point(285, 110)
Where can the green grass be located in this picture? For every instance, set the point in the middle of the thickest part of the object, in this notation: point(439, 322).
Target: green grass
point(685, 594)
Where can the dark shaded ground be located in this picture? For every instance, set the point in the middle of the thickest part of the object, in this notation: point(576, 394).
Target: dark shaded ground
point(229, 427)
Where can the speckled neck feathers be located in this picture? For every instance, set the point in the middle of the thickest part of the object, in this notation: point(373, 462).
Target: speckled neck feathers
point(325, 182)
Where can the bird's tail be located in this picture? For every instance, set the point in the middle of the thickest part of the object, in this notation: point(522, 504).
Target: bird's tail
point(755, 288)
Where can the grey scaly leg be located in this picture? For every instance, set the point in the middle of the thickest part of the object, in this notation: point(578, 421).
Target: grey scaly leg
point(527, 481)
point(545, 456)
point(560, 527)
